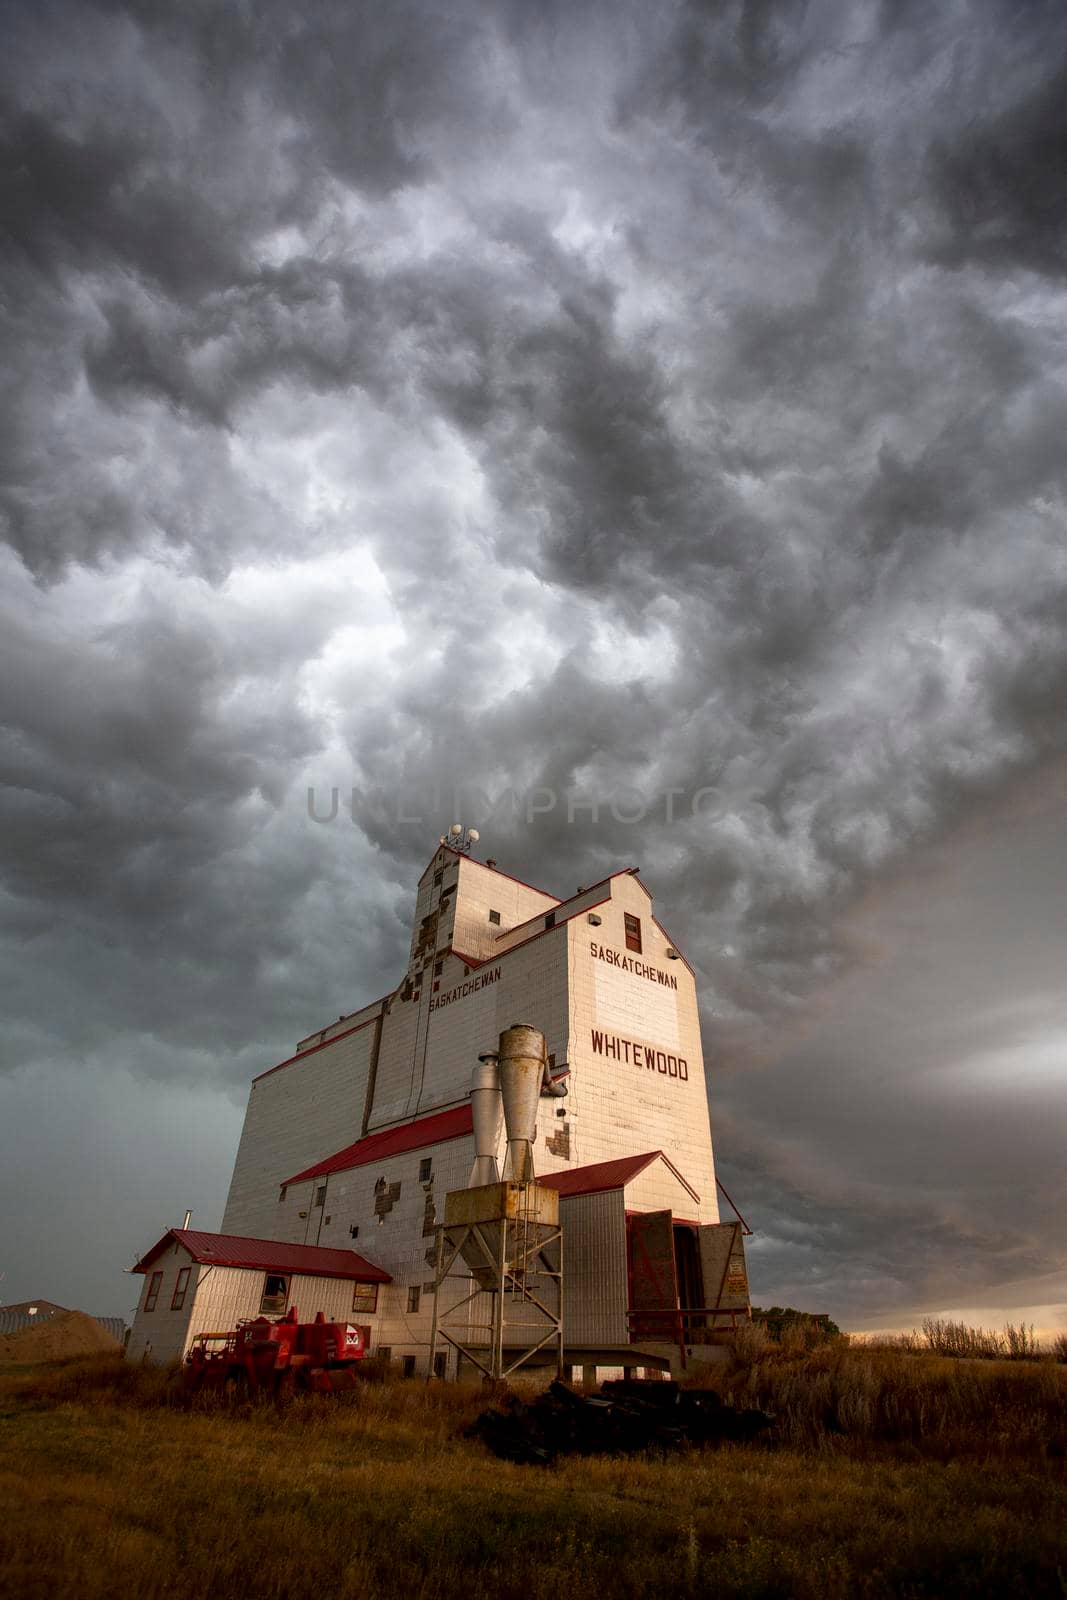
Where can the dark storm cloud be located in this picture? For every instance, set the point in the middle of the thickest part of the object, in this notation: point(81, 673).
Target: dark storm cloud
point(586, 402)
point(1000, 186)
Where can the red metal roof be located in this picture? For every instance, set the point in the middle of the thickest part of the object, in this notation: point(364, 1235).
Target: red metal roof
point(436, 1129)
point(602, 1175)
point(267, 1255)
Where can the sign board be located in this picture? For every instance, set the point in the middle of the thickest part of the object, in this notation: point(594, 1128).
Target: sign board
point(722, 1261)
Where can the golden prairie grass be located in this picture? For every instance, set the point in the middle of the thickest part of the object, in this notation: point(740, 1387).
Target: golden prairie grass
point(913, 1404)
point(888, 1477)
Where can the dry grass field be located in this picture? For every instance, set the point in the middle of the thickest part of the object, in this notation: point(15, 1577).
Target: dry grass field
point(891, 1474)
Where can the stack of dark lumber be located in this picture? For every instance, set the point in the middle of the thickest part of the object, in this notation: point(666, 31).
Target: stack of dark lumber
point(627, 1415)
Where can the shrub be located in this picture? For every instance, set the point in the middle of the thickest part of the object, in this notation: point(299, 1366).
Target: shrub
point(1022, 1346)
point(839, 1395)
point(947, 1338)
point(748, 1342)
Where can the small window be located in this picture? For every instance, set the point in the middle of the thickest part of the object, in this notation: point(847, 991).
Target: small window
point(409, 1366)
point(275, 1294)
point(550, 920)
point(494, 917)
point(178, 1299)
point(438, 968)
point(320, 1195)
point(414, 1296)
point(385, 1352)
point(632, 926)
point(438, 875)
point(426, 1169)
point(153, 1291)
point(365, 1297)
point(440, 1364)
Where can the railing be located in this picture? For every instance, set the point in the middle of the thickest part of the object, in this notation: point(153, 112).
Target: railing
point(684, 1325)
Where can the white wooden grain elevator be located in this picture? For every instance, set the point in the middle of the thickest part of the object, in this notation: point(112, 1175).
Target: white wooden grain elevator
point(351, 1145)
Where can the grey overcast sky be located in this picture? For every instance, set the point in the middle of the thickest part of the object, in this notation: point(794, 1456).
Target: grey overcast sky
point(647, 420)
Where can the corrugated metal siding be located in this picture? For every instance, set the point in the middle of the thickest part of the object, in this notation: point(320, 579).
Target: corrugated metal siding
point(15, 1321)
point(594, 1269)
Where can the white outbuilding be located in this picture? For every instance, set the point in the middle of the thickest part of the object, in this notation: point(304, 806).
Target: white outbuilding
point(198, 1283)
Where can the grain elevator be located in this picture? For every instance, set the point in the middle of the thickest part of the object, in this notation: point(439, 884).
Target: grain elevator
point(539, 1057)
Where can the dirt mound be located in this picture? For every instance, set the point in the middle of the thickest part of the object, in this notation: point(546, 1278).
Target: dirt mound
point(71, 1333)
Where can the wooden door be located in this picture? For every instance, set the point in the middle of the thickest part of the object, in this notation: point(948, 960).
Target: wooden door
point(653, 1276)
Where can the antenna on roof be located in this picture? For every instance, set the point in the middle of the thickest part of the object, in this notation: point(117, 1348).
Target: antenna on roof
point(460, 838)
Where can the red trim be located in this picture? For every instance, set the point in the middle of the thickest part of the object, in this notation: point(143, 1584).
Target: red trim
point(683, 1222)
point(461, 855)
point(266, 1255)
point(621, 873)
point(533, 887)
point(474, 961)
point(382, 1000)
point(577, 912)
point(673, 945)
point(438, 1128)
point(613, 1174)
point(502, 955)
point(302, 1055)
point(600, 1175)
point(722, 1189)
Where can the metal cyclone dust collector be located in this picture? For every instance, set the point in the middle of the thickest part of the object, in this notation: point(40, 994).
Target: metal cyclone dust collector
point(502, 1236)
point(521, 1066)
point(487, 1114)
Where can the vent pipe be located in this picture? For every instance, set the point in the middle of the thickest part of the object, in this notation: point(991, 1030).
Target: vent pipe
point(188, 1219)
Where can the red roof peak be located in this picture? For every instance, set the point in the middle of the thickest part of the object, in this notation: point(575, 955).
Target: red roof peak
point(613, 1174)
point(267, 1255)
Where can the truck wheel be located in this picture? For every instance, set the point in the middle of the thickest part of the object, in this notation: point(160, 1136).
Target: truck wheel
point(235, 1387)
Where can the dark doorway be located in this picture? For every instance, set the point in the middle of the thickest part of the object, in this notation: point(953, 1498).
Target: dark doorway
point(687, 1267)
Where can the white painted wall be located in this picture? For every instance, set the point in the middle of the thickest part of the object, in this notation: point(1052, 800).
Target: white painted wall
point(162, 1335)
point(220, 1297)
point(621, 1107)
point(296, 1115)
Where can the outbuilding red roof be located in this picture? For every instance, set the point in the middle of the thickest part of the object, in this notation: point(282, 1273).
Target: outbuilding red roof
point(601, 1175)
point(436, 1129)
point(267, 1255)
